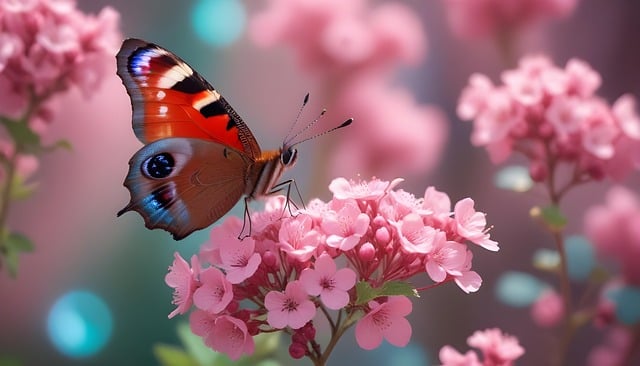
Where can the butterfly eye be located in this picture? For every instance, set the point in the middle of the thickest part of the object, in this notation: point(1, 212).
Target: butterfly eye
point(289, 156)
point(159, 166)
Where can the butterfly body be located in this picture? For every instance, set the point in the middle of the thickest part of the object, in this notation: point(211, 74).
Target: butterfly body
point(200, 158)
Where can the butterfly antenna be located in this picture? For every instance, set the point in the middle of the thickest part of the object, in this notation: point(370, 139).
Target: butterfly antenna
point(295, 121)
point(343, 124)
point(322, 113)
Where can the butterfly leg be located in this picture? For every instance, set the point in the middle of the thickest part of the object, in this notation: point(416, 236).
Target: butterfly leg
point(286, 185)
point(247, 216)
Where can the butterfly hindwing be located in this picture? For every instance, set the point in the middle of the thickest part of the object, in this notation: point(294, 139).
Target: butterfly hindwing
point(170, 99)
point(184, 184)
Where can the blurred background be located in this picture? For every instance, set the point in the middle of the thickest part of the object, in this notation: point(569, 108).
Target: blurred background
point(89, 263)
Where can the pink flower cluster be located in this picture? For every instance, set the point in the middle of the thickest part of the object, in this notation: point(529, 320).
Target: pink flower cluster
point(48, 46)
point(480, 18)
point(293, 267)
point(497, 349)
point(353, 49)
point(552, 116)
point(614, 230)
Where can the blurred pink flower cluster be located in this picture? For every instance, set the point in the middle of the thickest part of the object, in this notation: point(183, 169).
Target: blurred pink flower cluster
point(480, 18)
point(353, 49)
point(614, 230)
point(47, 46)
point(293, 267)
point(497, 348)
point(552, 115)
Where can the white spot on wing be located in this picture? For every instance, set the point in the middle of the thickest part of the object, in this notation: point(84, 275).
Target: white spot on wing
point(210, 98)
point(160, 95)
point(163, 110)
point(173, 76)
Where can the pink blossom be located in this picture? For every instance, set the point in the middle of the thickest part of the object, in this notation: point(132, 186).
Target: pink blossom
point(215, 293)
point(238, 259)
point(184, 281)
point(225, 234)
point(297, 238)
point(548, 309)
point(446, 258)
point(481, 18)
point(553, 115)
point(468, 280)
point(365, 190)
point(385, 320)
point(614, 230)
point(345, 227)
point(471, 224)
point(302, 261)
point(223, 333)
point(326, 281)
point(415, 236)
point(291, 308)
point(497, 348)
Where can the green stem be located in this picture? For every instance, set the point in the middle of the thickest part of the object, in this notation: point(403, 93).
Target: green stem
point(335, 336)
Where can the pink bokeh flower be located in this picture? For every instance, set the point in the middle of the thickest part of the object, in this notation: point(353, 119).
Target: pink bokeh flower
point(45, 43)
point(385, 321)
point(481, 18)
point(614, 230)
point(497, 349)
point(291, 308)
point(223, 333)
point(353, 49)
point(215, 292)
point(326, 281)
point(548, 309)
point(552, 115)
point(449, 356)
point(184, 281)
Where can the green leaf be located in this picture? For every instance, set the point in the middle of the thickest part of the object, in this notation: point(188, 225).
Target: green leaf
point(172, 356)
point(60, 144)
point(18, 243)
point(395, 288)
point(367, 293)
point(12, 260)
point(551, 216)
point(22, 134)
point(21, 190)
point(9, 361)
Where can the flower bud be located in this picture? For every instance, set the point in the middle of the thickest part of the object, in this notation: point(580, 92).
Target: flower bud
point(269, 259)
point(383, 236)
point(297, 350)
point(367, 252)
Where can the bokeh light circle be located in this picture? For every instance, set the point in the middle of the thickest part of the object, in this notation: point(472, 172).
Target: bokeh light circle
point(79, 324)
point(518, 289)
point(218, 22)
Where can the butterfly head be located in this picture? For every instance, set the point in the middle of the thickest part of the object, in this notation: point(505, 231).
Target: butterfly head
point(288, 156)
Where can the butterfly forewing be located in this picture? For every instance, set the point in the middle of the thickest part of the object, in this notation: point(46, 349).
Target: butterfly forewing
point(170, 99)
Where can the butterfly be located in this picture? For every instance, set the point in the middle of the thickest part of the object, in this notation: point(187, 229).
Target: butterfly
point(199, 158)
